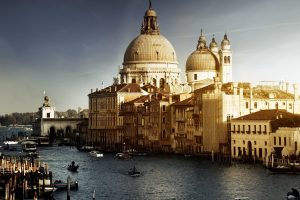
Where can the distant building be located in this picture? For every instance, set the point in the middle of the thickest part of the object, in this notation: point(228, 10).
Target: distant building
point(56, 129)
point(264, 132)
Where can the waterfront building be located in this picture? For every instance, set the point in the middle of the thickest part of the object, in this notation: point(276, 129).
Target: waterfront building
point(264, 132)
point(105, 128)
point(49, 128)
point(186, 138)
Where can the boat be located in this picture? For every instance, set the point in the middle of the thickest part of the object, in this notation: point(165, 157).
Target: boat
point(72, 167)
point(123, 156)
point(293, 195)
point(133, 152)
point(86, 148)
point(61, 185)
point(96, 154)
point(12, 145)
point(285, 169)
point(134, 172)
point(29, 146)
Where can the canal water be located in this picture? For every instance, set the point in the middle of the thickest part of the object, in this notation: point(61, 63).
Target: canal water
point(164, 177)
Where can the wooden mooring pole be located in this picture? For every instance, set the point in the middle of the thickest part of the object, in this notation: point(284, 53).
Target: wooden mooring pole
point(68, 191)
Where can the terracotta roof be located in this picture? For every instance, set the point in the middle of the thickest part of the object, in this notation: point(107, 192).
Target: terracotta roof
point(272, 114)
point(258, 92)
point(131, 87)
point(141, 99)
point(187, 102)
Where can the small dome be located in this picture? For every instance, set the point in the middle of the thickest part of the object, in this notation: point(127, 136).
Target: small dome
point(202, 60)
point(150, 48)
point(213, 43)
point(225, 41)
point(150, 13)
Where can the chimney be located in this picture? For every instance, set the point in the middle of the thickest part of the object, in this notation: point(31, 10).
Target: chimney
point(235, 85)
point(251, 91)
point(170, 99)
point(295, 91)
point(241, 92)
point(96, 89)
point(91, 90)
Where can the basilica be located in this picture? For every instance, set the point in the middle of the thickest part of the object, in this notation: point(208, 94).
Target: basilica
point(149, 108)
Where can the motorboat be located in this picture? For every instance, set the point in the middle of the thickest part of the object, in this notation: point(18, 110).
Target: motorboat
point(86, 148)
point(61, 185)
point(72, 167)
point(123, 156)
point(134, 172)
point(96, 154)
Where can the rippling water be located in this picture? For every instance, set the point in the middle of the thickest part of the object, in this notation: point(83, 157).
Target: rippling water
point(164, 177)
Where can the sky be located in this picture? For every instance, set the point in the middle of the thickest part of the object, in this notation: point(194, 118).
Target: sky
point(68, 47)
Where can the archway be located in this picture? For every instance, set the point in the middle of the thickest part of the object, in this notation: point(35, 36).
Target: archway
point(68, 131)
point(249, 148)
point(52, 134)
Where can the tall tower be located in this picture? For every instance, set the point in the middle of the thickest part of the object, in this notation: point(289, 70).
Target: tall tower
point(225, 61)
point(47, 111)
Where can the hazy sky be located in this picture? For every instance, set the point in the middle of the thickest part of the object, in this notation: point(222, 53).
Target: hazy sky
point(67, 47)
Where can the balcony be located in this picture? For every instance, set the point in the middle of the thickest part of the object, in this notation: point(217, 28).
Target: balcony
point(179, 119)
point(180, 136)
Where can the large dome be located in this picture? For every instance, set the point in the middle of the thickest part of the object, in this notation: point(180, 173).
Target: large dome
point(150, 48)
point(202, 60)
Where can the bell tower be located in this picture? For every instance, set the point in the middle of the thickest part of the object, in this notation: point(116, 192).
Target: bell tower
point(225, 54)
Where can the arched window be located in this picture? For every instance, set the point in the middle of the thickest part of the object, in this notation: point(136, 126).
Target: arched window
point(225, 59)
point(133, 80)
point(161, 83)
point(154, 81)
point(255, 105)
point(228, 59)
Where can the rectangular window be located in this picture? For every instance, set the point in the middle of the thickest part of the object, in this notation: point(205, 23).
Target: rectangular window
point(254, 131)
point(234, 153)
point(164, 108)
point(249, 129)
point(265, 129)
point(274, 140)
point(48, 115)
point(284, 141)
point(195, 76)
point(279, 141)
point(243, 128)
point(260, 152)
point(247, 105)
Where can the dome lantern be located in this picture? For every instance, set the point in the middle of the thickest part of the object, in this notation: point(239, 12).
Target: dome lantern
point(225, 44)
point(150, 25)
point(201, 41)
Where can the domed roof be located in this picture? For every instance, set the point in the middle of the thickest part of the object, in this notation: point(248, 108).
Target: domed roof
point(150, 12)
point(202, 60)
point(225, 41)
point(150, 48)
